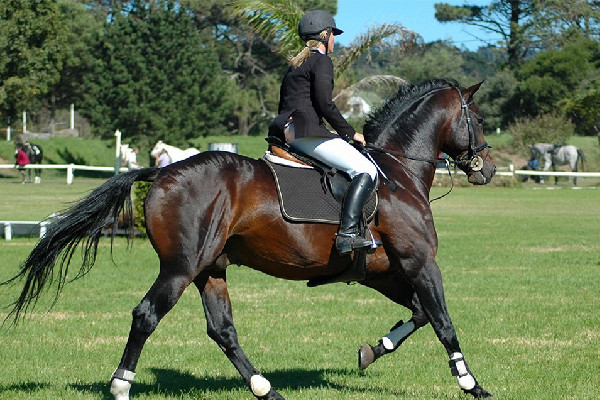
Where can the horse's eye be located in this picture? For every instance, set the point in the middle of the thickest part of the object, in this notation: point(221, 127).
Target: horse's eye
point(480, 120)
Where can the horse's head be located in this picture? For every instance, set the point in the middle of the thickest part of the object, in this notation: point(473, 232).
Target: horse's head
point(432, 116)
point(463, 139)
point(158, 147)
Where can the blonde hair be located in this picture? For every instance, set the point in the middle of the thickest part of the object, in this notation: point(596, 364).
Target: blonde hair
point(298, 59)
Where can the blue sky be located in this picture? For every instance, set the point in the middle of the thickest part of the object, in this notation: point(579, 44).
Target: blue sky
point(355, 17)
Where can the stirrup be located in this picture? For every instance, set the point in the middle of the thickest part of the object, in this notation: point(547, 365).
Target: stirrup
point(347, 242)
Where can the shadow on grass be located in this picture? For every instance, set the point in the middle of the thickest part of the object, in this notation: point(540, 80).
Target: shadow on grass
point(26, 387)
point(176, 383)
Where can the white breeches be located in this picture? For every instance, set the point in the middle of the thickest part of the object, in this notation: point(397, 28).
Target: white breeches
point(337, 153)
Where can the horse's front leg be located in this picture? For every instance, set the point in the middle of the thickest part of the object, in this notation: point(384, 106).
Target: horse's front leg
point(220, 328)
point(427, 282)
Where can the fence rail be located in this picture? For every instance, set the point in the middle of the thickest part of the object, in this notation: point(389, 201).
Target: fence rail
point(510, 171)
point(71, 168)
point(506, 171)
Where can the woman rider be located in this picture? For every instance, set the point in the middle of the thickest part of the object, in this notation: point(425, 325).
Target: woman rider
point(305, 101)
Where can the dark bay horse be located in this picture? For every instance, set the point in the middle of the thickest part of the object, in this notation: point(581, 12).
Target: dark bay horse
point(218, 208)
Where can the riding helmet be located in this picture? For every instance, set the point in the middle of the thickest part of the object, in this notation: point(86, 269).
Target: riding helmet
point(314, 22)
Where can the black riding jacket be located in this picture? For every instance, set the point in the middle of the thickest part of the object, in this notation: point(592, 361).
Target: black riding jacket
point(305, 95)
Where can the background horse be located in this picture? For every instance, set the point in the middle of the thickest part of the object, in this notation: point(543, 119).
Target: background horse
point(220, 208)
point(175, 153)
point(36, 155)
point(555, 155)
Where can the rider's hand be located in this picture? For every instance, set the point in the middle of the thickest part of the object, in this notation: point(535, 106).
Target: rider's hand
point(359, 138)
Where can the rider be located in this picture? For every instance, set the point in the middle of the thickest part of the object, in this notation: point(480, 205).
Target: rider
point(305, 101)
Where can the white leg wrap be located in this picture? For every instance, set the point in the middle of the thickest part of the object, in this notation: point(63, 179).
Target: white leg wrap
point(259, 385)
point(466, 381)
point(120, 389)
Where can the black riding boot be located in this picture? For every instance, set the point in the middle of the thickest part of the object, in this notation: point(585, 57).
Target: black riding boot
point(348, 238)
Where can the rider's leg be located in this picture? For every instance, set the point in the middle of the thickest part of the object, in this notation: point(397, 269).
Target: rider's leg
point(339, 154)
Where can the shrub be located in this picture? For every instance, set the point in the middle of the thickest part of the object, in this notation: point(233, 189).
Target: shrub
point(546, 128)
point(140, 190)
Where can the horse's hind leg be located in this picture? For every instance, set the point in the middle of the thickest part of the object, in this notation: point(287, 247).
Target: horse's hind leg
point(427, 281)
point(160, 299)
point(220, 328)
point(399, 291)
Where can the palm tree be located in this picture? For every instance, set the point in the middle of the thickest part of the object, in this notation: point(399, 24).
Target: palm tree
point(276, 21)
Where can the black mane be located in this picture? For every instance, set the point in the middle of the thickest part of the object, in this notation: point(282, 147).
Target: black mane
point(398, 114)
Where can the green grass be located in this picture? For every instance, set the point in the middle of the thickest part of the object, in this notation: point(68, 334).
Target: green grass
point(521, 270)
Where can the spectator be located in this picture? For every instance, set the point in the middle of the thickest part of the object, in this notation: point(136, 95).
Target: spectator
point(163, 159)
point(22, 161)
point(132, 159)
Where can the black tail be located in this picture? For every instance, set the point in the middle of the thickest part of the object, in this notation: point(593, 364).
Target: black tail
point(81, 223)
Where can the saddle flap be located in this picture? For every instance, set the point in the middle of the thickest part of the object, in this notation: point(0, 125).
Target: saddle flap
point(304, 198)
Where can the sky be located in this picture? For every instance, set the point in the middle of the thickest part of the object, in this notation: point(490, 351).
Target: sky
point(355, 17)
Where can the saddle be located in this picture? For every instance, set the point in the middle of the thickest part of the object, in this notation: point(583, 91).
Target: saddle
point(308, 190)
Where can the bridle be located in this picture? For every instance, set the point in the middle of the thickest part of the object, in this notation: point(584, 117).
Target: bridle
point(468, 159)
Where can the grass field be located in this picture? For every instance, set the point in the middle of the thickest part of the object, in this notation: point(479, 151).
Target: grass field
point(522, 276)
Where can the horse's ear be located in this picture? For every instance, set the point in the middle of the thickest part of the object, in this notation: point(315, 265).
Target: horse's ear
point(469, 92)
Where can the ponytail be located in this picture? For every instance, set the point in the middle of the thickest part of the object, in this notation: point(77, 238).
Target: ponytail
point(313, 44)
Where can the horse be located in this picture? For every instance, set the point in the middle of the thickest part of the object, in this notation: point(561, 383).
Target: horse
point(36, 155)
point(175, 153)
point(554, 155)
point(219, 208)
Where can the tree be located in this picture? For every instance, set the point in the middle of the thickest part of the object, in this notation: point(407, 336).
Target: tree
point(508, 18)
point(30, 53)
point(564, 81)
point(525, 25)
point(154, 77)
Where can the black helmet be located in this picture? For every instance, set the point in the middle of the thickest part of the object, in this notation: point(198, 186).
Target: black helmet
point(314, 22)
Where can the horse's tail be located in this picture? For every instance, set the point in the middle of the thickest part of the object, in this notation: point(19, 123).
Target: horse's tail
point(582, 158)
point(81, 223)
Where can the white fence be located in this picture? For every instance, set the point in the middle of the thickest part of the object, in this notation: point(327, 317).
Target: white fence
point(27, 228)
point(510, 171)
point(71, 168)
point(507, 171)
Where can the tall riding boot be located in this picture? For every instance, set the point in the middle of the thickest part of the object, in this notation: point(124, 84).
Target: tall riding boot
point(348, 238)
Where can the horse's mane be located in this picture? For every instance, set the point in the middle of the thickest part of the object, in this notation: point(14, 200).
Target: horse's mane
point(398, 114)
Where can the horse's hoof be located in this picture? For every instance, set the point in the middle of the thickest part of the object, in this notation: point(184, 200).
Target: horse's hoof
point(366, 356)
point(478, 392)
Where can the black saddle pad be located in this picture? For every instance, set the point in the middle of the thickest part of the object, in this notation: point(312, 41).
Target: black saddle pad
point(304, 198)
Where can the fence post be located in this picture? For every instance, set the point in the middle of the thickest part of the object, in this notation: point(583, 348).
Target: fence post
point(7, 231)
point(118, 152)
point(43, 228)
point(70, 174)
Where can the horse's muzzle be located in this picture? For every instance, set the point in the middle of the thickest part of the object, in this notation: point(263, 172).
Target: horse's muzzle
point(483, 176)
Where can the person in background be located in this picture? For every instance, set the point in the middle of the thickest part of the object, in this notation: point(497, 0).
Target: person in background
point(21, 162)
point(305, 104)
point(163, 159)
point(132, 159)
